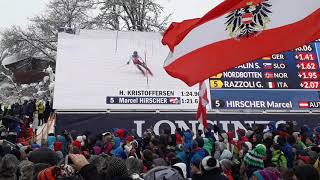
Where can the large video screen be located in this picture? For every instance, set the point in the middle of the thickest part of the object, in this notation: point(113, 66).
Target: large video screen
point(284, 81)
point(100, 70)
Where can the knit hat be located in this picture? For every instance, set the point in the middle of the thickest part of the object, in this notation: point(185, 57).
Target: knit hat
point(26, 170)
point(183, 168)
point(163, 172)
point(226, 154)
point(267, 135)
point(129, 138)
point(120, 133)
point(209, 163)
point(43, 155)
point(57, 146)
point(249, 145)
point(267, 174)
point(76, 144)
point(97, 150)
point(295, 134)
point(254, 157)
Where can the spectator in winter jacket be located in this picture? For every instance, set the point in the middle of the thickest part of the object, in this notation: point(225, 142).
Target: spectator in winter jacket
point(8, 167)
point(226, 166)
point(47, 112)
point(187, 136)
point(40, 111)
point(31, 108)
point(254, 159)
point(278, 158)
point(210, 169)
point(195, 170)
point(266, 174)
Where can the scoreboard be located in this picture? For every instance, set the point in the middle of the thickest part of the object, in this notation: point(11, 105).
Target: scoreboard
point(284, 81)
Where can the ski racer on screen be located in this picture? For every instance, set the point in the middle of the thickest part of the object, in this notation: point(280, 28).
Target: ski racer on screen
point(140, 64)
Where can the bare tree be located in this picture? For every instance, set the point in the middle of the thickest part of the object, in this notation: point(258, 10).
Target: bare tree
point(132, 15)
point(40, 38)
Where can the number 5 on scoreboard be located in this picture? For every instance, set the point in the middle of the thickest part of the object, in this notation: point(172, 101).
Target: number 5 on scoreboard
point(216, 84)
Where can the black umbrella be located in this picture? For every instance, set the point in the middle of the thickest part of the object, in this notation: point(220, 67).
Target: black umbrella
point(11, 119)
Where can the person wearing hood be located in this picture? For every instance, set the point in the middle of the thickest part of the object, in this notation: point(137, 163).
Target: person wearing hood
point(51, 140)
point(180, 153)
point(187, 137)
point(211, 169)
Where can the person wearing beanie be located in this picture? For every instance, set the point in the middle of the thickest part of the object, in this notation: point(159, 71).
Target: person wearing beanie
point(43, 155)
point(76, 144)
point(163, 172)
point(182, 168)
point(211, 169)
point(57, 146)
point(253, 160)
point(266, 174)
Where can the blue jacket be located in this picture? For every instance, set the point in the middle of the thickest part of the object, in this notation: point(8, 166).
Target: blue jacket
point(287, 150)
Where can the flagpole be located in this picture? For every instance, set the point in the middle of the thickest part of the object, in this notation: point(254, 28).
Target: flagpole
point(145, 60)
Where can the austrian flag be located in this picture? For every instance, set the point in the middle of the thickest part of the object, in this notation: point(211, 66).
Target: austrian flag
point(202, 106)
point(236, 32)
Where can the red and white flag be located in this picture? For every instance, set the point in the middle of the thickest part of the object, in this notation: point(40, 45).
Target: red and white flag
point(303, 105)
point(268, 75)
point(236, 32)
point(202, 106)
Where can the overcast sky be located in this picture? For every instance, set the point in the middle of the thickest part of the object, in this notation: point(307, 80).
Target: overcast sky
point(17, 12)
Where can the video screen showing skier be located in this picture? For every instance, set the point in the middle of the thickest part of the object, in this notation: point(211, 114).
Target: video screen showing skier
point(139, 63)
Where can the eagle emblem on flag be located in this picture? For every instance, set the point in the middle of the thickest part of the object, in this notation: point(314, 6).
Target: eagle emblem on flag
point(249, 20)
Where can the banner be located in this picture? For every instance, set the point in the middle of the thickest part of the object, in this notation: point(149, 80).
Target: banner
point(99, 70)
point(97, 123)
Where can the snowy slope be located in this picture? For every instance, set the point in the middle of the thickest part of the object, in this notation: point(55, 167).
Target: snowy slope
point(92, 66)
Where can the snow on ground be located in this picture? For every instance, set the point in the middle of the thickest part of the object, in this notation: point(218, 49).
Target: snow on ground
point(92, 65)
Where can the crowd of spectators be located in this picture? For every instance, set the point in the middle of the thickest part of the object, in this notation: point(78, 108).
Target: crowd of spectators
point(261, 152)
